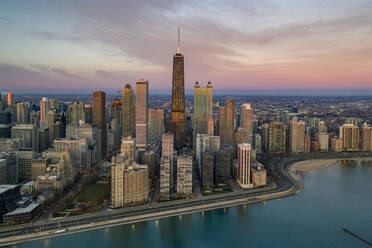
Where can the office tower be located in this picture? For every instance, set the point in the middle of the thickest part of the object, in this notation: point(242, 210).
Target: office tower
point(90, 133)
point(284, 117)
point(204, 143)
point(207, 171)
point(117, 181)
point(22, 112)
point(43, 108)
point(43, 139)
point(52, 103)
point(5, 118)
point(29, 133)
point(78, 113)
point(50, 124)
point(221, 127)
point(246, 122)
point(178, 118)
point(3, 174)
point(113, 135)
point(10, 99)
point(258, 143)
point(99, 118)
point(127, 148)
point(128, 112)
point(88, 113)
point(24, 165)
point(276, 137)
point(366, 137)
point(229, 121)
point(116, 114)
point(259, 175)
point(226, 122)
point(349, 133)
point(184, 175)
point(223, 166)
point(165, 177)
point(297, 136)
point(202, 110)
point(10, 174)
point(323, 140)
point(156, 125)
point(141, 112)
point(78, 149)
point(265, 137)
point(35, 118)
point(244, 166)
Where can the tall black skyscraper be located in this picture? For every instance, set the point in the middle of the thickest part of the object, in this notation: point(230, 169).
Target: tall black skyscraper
point(178, 119)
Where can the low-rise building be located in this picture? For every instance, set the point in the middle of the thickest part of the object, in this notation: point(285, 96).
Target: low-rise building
point(259, 176)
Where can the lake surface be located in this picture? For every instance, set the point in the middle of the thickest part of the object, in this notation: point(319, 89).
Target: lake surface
point(333, 197)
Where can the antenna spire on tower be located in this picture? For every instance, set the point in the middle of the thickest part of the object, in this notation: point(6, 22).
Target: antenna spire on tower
point(179, 41)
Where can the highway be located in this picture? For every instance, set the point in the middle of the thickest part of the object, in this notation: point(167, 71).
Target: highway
point(287, 185)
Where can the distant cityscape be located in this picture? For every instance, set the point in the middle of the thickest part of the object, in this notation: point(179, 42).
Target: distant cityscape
point(64, 156)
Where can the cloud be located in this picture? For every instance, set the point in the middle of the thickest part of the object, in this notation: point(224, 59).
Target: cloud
point(56, 71)
point(236, 43)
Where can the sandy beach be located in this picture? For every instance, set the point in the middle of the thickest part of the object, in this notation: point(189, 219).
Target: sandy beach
point(309, 165)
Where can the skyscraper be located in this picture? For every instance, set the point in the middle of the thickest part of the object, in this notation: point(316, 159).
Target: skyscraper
point(349, 133)
point(244, 165)
point(366, 137)
point(22, 112)
point(128, 112)
point(207, 170)
point(99, 117)
point(202, 110)
point(226, 122)
point(246, 121)
point(43, 108)
point(276, 137)
point(184, 175)
point(297, 136)
point(156, 125)
point(127, 148)
point(141, 112)
point(178, 119)
point(167, 145)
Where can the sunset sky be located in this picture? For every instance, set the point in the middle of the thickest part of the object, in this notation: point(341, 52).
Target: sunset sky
point(242, 46)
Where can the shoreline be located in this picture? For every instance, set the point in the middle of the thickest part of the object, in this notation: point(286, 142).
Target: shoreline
point(292, 184)
point(313, 164)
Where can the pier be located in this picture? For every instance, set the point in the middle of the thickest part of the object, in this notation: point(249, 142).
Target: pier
point(356, 235)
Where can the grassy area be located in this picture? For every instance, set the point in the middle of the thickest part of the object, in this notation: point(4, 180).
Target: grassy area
point(92, 193)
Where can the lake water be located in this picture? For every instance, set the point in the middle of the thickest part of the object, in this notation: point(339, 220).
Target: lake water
point(333, 197)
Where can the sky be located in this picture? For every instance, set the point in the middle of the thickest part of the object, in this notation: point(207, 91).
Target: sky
point(240, 46)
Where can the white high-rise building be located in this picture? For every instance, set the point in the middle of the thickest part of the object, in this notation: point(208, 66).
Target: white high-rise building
point(43, 108)
point(244, 166)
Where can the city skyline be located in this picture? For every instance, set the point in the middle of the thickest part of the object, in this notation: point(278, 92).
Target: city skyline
point(264, 47)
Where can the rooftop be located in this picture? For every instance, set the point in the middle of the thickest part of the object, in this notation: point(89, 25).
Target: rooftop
point(27, 209)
